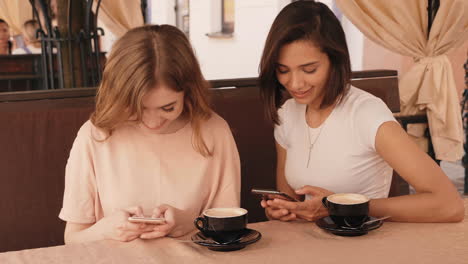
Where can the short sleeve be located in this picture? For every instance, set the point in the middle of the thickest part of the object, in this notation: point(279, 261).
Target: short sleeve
point(80, 185)
point(227, 157)
point(225, 174)
point(369, 116)
point(280, 130)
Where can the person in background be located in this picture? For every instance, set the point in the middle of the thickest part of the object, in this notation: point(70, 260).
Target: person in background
point(5, 43)
point(152, 147)
point(32, 43)
point(334, 138)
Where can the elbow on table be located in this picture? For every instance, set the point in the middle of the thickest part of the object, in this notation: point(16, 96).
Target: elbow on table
point(459, 213)
point(70, 238)
point(66, 239)
point(455, 211)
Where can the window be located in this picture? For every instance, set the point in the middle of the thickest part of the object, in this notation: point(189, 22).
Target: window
point(222, 19)
point(183, 15)
point(227, 17)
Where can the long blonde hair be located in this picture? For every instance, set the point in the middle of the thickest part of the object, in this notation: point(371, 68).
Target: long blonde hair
point(138, 61)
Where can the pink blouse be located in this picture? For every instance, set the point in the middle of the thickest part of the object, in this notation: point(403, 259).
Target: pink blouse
point(136, 168)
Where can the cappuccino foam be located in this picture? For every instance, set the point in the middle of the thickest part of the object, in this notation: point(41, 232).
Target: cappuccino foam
point(225, 212)
point(347, 198)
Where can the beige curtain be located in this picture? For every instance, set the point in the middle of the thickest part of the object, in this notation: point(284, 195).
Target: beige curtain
point(429, 86)
point(15, 12)
point(120, 15)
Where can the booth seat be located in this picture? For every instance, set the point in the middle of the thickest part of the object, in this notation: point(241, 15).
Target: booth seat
point(38, 129)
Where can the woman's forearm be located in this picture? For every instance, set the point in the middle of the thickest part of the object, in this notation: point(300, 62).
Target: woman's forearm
point(83, 233)
point(420, 207)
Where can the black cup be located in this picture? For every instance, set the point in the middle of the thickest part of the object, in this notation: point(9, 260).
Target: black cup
point(223, 225)
point(347, 209)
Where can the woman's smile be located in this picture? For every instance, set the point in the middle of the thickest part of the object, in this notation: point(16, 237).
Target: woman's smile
point(301, 94)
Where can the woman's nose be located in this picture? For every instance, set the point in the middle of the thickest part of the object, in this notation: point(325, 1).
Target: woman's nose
point(296, 82)
point(154, 122)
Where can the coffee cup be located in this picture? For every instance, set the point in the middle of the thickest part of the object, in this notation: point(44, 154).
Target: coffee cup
point(223, 225)
point(347, 209)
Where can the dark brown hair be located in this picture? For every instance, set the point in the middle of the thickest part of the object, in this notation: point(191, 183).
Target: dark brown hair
point(139, 60)
point(10, 45)
point(311, 21)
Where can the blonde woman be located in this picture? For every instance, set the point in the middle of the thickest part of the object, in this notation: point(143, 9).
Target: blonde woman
point(152, 147)
point(32, 43)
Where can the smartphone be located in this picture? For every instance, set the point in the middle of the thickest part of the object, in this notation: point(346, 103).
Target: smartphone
point(146, 220)
point(269, 194)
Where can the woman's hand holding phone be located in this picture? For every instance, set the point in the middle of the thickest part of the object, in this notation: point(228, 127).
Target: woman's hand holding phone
point(146, 220)
point(310, 210)
point(171, 215)
point(275, 213)
point(117, 227)
point(272, 212)
point(268, 194)
point(130, 223)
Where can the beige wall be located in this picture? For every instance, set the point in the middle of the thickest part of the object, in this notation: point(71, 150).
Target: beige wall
point(377, 57)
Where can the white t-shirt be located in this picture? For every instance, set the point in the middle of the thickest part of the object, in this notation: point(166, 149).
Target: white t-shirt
point(343, 157)
point(32, 49)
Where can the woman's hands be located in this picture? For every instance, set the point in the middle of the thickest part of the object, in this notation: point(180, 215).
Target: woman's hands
point(117, 227)
point(170, 214)
point(277, 213)
point(309, 210)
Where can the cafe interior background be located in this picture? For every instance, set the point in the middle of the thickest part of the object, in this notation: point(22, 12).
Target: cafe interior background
point(227, 36)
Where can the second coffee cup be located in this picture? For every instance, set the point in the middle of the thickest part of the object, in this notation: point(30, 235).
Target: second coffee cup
point(223, 225)
point(347, 209)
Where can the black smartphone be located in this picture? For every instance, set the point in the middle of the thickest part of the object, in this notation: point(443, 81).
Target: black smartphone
point(269, 194)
